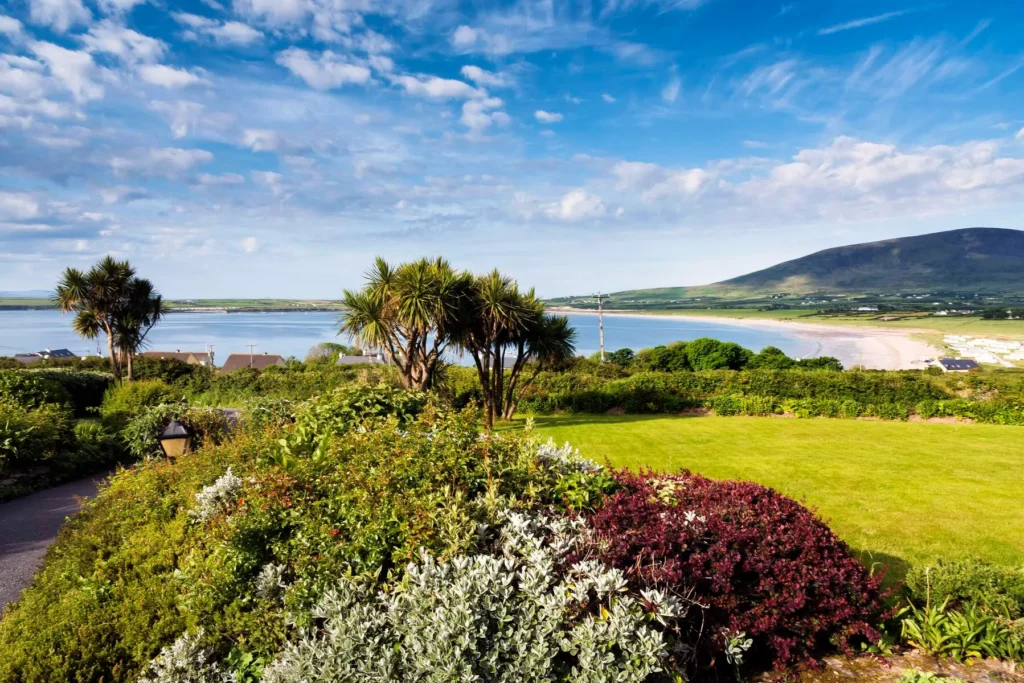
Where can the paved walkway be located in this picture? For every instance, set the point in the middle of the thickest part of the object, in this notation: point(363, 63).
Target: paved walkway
point(27, 528)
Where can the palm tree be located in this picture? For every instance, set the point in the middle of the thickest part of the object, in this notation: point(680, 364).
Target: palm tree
point(410, 313)
point(109, 298)
point(505, 331)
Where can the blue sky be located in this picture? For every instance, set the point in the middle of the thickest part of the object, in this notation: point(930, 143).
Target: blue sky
point(274, 147)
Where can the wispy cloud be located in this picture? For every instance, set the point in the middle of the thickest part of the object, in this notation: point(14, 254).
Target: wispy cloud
point(865, 21)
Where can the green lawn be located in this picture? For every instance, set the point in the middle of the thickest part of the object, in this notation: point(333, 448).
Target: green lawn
point(896, 492)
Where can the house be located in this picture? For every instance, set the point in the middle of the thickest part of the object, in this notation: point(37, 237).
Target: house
point(372, 359)
point(45, 354)
point(259, 361)
point(190, 357)
point(959, 365)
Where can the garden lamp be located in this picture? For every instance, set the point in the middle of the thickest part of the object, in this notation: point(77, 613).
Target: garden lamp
point(175, 439)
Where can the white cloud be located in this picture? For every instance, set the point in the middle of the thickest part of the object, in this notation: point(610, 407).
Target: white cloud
point(486, 79)
point(866, 21)
point(222, 33)
point(249, 245)
point(671, 90)
point(464, 36)
point(167, 76)
point(166, 162)
point(1020, 135)
point(270, 180)
point(222, 179)
point(60, 15)
point(477, 117)
point(275, 12)
point(547, 116)
point(183, 116)
point(9, 26)
point(608, 98)
point(118, 6)
point(329, 71)
point(72, 68)
point(124, 43)
point(577, 205)
point(19, 206)
point(261, 140)
point(436, 88)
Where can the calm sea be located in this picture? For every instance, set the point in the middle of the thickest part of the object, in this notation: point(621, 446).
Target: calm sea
point(293, 333)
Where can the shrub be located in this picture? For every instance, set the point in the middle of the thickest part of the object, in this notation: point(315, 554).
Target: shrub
point(29, 437)
point(762, 564)
point(519, 614)
point(137, 569)
point(85, 388)
point(30, 390)
point(124, 401)
point(140, 434)
point(1000, 590)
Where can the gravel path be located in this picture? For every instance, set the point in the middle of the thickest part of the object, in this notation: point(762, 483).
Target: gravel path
point(27, 528)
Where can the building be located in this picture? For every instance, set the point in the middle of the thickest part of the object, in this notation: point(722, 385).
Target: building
point(959, 365)
point(372, 359)
point(190, 357)
point(259, 361)
point(45, 354)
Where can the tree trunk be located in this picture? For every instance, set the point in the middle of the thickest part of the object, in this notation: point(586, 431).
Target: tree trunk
point(115, 367)
point(130, 363)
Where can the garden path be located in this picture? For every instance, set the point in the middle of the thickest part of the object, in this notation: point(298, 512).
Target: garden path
point(29, 525)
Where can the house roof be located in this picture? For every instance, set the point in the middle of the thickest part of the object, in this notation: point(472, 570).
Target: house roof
point(260, 361)
point(183, 356)
point(959, 364)
point(44, 354)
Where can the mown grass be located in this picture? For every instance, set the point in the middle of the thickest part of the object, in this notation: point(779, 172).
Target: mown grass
point(899, 493)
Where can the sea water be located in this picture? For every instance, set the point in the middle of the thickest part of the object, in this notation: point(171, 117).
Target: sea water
point(294, 333)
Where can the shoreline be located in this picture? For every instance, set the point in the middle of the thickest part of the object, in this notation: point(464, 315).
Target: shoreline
point(873, 348)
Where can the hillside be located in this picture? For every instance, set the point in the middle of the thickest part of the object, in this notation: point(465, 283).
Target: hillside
point(964, 261)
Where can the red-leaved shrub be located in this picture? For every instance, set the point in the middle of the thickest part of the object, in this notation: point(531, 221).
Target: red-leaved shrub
point(758, 562)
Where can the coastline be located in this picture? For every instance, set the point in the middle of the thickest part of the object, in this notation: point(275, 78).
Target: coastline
point(873, 348)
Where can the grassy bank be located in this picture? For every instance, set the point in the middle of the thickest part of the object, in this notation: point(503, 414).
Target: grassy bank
point(897, 492)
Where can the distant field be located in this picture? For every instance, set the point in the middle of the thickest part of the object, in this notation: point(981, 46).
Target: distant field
point(19, 302)
point(897, 492)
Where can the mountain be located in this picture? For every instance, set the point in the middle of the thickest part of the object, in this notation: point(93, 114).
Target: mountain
point(968, 261)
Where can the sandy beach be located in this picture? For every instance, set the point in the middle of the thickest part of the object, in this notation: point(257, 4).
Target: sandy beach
point(873, 348)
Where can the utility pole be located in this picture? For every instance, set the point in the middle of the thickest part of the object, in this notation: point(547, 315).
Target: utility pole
point(250, 353)
point(209, 351)
point(600, 319)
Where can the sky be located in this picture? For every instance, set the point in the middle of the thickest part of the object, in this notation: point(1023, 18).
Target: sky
point(257, 148)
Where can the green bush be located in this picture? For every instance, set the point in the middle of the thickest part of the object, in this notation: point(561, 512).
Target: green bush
point(85, 388)
point(124, 401)
point(140, 434)
point(29, 437)
point(998, 589)
point(171, 547)
point(30, 390)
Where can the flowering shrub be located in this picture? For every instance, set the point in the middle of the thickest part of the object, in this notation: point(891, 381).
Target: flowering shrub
point(760, 563)
point(186, 661)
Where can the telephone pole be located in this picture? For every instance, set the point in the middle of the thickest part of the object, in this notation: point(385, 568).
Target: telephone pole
point(250, 353)
point(209, 351)
point(600, 319)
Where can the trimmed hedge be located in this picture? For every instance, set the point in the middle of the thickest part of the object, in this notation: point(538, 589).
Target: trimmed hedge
point(85, 388)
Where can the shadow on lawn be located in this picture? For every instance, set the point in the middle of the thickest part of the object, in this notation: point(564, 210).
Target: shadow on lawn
point(895, 568)
point(576, 419)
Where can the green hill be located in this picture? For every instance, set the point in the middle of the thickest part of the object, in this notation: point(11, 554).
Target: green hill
point(967, 261)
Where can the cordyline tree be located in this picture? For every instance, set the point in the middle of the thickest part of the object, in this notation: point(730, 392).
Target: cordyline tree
point(409, 312)
point(417, 311)
point(504, 329)
point(109, 298)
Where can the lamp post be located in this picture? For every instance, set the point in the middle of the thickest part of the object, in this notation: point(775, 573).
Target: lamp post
point(176, 439)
